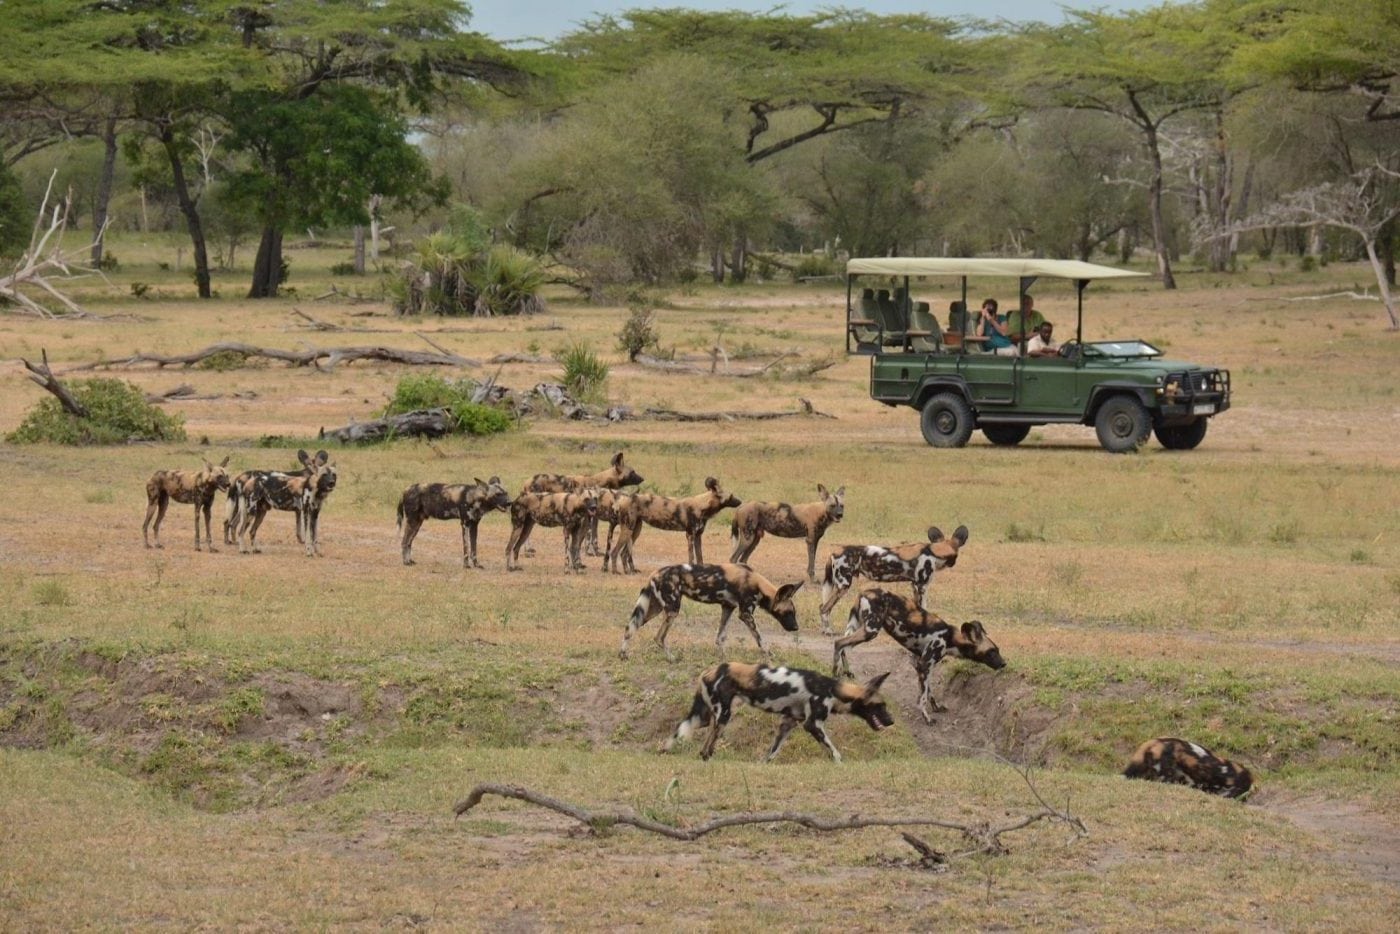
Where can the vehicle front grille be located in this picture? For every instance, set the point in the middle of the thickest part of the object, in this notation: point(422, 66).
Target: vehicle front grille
point(1184, 387)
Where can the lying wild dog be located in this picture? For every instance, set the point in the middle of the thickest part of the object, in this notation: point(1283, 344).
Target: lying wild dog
point(926, 637)
point(198, 487)
point(620, 511)
point(732, 586)
point(914, 563)
point(302, 493)
point(615, 476)
point(569, 511)
point(800, 696)
point(462, 501)
point(688, 515)
point(1179, 762)
point(805, 520)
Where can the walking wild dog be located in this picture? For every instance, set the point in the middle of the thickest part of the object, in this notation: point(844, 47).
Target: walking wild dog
point(615, 476)
point(805, 520)
point(302, 493)
point(569, 511)
point(198, 487)
point(927, 638)
point(799, 696)
point(1179, 762)
point(914, 563)
point(732, 586)
point(466, 502)
point(688, 515)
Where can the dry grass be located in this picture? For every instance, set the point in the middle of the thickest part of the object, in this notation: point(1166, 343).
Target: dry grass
point(1243, 594)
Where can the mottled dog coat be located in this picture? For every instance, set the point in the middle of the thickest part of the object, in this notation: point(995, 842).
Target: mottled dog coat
point(805, 520)
point(689, 514)
point(304, 494)
point(570, 511)
point(619, 510)
point(798, 696)
point(1181, 762)
point(466, 502)
point(197, 487)
point(240, 490)
point(732, 586)
point(923, 634)
point(615, 476)
point(915, 563)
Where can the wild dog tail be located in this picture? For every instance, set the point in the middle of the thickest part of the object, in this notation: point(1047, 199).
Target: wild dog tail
point(698, 718)
point(399, 524)
point(642, 611)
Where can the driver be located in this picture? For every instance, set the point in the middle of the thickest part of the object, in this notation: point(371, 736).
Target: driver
point(1041, 345)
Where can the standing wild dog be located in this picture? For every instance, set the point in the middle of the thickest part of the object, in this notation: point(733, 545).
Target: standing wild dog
point(465, 502)
point(800, 696)
point(620, 511)
point(925, 635)
point(1179, 762)
point(805, 520)
point(302, 493)
point(732, 586)
point(241, 488)
point(198, 487)
point(570, 511)
point(914, 563)
point(615, 476)
point(688, 515)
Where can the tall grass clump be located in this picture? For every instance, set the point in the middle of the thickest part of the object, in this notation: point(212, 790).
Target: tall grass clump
point(458, 271)
point(418, 392)
point(584, 373)
point(117, 413)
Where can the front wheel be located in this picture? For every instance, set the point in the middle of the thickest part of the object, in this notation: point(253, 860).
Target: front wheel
point(1182, 437)
point(946, 420)
point(1122, 424)
point(1006, 435)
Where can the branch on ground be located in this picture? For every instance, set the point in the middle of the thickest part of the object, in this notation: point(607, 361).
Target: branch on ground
point(312, 357)
point(42, 375)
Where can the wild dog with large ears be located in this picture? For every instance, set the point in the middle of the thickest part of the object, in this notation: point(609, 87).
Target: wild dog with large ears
point(805, 520)
point(732, 586)
point(199, 487)
point(915, 563)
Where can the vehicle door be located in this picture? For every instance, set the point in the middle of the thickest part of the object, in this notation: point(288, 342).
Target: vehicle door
point(991, 380)
point(1051, 386)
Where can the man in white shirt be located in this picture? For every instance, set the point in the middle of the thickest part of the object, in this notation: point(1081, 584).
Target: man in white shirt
point(1040, 345)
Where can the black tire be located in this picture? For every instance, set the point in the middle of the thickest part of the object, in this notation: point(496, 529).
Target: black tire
point(1006, 435)
point(1182, 437)
point(946, 420)
point(1122, 424)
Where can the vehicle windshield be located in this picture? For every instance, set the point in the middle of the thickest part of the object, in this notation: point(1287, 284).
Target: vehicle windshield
point(1133, 348)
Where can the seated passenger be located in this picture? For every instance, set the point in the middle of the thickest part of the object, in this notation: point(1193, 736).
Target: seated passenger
point(1041, 345)
point(1024, 322)
point(996, 332)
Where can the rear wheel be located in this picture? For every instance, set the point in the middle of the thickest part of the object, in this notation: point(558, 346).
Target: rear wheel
point(1122, 424)
point(1182, 437)
point(1006, 435)
point(946, 420)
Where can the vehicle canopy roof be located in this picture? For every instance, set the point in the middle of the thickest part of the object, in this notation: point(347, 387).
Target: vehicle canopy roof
point(1018, 268)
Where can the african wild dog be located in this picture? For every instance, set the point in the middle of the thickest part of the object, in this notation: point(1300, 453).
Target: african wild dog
point(914, 563)
point(198, 487)
point(615, 476)
point(466, 502)
point(620, 511)
point(805, 520)
point(302, 493)
point(1180, 762)
point(732, 586)
point(688, 515)
point(800, 696)
point(240, 488)
point(570, 511)
point(927, 638)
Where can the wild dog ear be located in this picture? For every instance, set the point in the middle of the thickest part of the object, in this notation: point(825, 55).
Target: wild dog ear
point(478, 481)
point(873, 685)
point(960, 535)
point(321, 458)
point(208, 464)
point(494, 479)
point(841, 491)
point(224, 462)
point(935, 534)
point(712, 484)
point(304, 458)
point(974, 631)
point(821, 490)
point(617, 459)
point(788, 591)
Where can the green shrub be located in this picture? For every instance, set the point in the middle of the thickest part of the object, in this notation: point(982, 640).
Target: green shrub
point(117, 413)
point(584, 373)
point(222, 361)
point(638, 332)
point(344, 269)
point(414, 393)
point(15, 216)
point(458, 272)
point(813, 266)
point(477, 419)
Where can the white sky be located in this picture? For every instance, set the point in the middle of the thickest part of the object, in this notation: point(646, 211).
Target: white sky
point(505, 20)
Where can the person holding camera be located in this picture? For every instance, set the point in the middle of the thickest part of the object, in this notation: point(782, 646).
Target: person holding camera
point(995, 331)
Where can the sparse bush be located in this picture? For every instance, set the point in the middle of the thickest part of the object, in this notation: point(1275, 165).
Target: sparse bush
point(813, 266)
point(458, 272)
point(1021, 533)
point(139, 289)
point(343, 269)
point(52, 593)
point(584, 372)
point(117, 413)
point(638, 332)
point(222, 361)
point(109, 262)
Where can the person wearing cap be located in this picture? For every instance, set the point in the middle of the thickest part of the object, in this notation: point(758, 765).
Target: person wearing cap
point(1041, 344)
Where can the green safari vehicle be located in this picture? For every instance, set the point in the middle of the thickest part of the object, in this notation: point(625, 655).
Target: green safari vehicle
point(1124, 388)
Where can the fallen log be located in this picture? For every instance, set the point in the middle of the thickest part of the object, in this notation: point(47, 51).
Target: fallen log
point(518, 358)
point(42, 375)
point(425, 423)
point(312, 357)
point(805, 410)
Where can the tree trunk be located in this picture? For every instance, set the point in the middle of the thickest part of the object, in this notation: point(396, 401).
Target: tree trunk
point(267, 268)
point(1387, 297)
point(739, 259)
point(374, 202)
point(104, 190)
point(189, 209)
point(359, 250)
point(1159, 228)
point(1385, 246)
point(717, 266)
